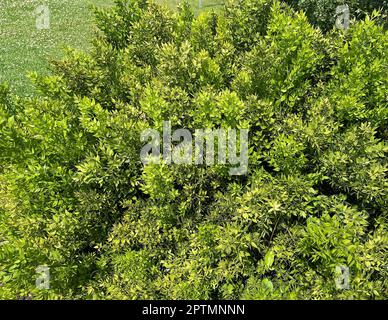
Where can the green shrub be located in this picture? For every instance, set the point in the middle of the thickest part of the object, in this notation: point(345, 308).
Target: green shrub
point(322, 13)
point(76, 197)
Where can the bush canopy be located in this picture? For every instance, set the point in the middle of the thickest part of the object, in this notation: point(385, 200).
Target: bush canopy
point(76, 198)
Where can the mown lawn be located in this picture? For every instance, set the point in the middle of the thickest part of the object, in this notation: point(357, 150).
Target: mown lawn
point(24, 48)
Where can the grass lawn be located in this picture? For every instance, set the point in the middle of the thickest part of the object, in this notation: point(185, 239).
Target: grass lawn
point(24, 48)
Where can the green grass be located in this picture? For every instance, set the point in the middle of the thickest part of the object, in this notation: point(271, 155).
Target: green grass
point(24, 48)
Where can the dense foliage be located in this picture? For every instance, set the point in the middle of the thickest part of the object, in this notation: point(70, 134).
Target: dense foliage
point(322, 13)
point(75, 196)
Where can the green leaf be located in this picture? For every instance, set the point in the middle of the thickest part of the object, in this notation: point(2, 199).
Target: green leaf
point(269, 259)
